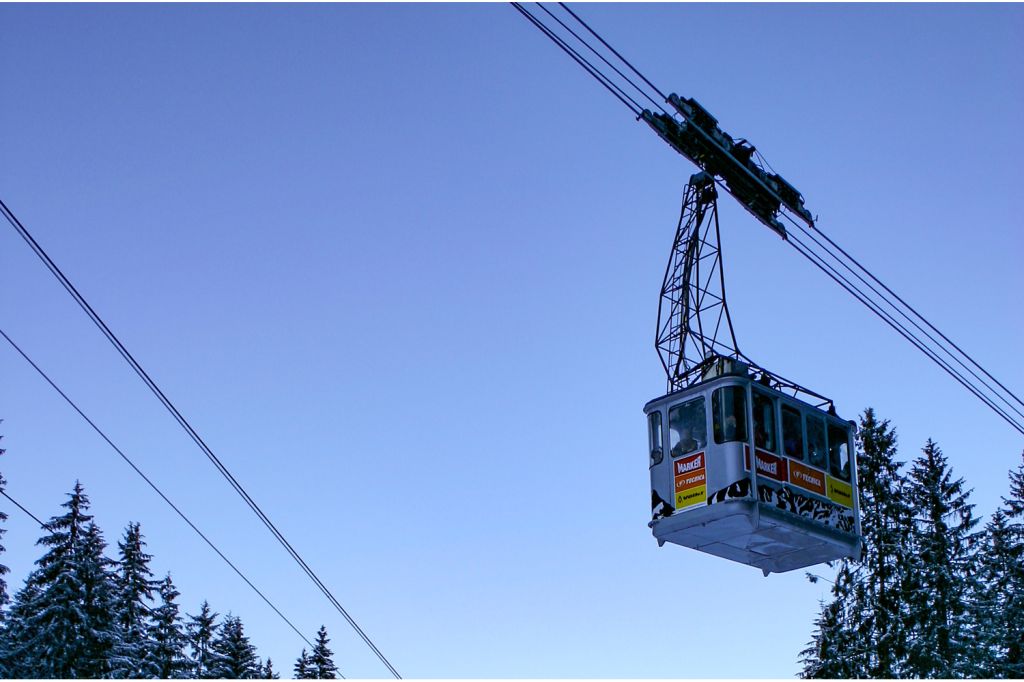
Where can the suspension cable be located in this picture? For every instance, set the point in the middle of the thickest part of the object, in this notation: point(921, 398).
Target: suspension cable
point(614, 51)
point(909, 319)
point(148, 481)
point(191, 432)
point(839, 279)
point(630, 103)
point(602, 57)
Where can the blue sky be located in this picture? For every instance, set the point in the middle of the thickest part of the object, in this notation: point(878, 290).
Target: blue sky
point(399, 265)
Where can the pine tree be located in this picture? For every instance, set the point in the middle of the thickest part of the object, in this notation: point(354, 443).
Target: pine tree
point(836, 650)
point(268, 672)
point(4, 598)
point(998, 608)
point(302, 667)
point(941, 633)
point(236, 655)
point(862, 632)
point(886, 560)
point(17, 661)
point(202, 629)
point(168, 650)
point(65, 627)
point(320, 662)
point(132, 656)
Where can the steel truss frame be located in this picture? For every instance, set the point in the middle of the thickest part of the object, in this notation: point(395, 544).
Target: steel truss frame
point(694, 326)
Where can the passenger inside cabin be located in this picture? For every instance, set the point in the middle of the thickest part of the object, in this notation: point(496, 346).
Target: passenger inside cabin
point(760, 436)
point(687, 427)
point(687, 443)
point(730, 427)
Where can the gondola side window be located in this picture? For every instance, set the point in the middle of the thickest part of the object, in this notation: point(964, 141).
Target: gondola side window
point(816, 441)
point(654, 431)
point(839, 452)
point(687, 427)
point(729, 406)
point(765, 430)
point(792, 433)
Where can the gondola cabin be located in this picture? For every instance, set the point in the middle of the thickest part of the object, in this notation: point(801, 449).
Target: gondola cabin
point(745, 472)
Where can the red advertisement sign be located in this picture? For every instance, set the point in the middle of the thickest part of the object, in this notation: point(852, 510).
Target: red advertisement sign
point(770, 466)
point(686, 465)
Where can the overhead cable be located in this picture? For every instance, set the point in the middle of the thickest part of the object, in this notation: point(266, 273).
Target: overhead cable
point(630, 103)
point(191, 432)
point(902, 312)
point(993, 393)
point(18, 505)
point(148, 481)
point(624, 77)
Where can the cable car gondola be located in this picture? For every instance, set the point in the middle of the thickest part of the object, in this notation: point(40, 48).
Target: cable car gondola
point(742, 466)
point(747, 472)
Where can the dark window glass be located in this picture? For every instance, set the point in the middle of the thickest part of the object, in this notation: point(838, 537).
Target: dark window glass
point(654, 431)
point(687, 427)
point(730, 408)
point(839, 451)
point(792, 433)
point(765, 431)
point(816, 440)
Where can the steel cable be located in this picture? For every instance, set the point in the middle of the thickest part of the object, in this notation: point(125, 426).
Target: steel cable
point(187, 427)
point(149, 482)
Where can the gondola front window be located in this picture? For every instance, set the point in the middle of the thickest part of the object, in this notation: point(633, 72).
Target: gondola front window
point(654, 431)
point(687, 427)
point(729, 406)
point(816, 441)
point(839, 452)
point(764, 422)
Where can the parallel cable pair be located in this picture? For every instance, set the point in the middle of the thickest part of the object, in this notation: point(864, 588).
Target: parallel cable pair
point(878, 299)
point(145, 478)
point(187, 427)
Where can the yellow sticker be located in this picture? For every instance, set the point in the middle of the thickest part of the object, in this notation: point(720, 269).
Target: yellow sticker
point(691, 496)
point(840, 492)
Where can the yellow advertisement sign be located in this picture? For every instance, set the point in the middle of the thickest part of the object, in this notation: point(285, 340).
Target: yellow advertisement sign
point(840, 492)
point(691, 496)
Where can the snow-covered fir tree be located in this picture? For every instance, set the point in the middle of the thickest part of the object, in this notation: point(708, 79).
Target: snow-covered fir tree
point(236, 656)
point(132, 655)
point(862, 631)
point(886, 560)
point(836, 650)
point(4, 597)
point(940, 642)
point(997, 609)
point(302, 668)
point(268, 671)
point(321, 663)
point(168, 640)
point(65, 627)
point(201, 629)
point(998, 606)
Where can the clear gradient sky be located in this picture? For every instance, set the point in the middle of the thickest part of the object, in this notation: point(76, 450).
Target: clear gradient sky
point(399, 265)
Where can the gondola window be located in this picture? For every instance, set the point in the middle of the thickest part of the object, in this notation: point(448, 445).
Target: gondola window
point(764, 422)
point(792, 433)
point(816, 441)
point(654, 422)
point(730, 409)
point(838, 452)
point(687, 425)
